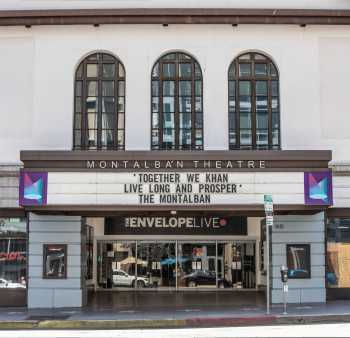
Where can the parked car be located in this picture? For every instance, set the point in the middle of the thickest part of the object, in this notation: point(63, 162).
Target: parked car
point(10, 285)
point(121, 278)
point(202, 277)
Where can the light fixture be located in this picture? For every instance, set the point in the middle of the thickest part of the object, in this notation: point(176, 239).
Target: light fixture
point(173, 212)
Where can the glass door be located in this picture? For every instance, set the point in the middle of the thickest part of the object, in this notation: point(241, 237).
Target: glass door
point(236, 265)
point(157, 265)
point(196, 265)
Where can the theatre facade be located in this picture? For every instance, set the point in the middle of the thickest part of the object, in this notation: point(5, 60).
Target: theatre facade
point(135, 167)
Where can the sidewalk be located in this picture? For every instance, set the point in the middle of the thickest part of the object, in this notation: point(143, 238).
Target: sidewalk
point(107, 318)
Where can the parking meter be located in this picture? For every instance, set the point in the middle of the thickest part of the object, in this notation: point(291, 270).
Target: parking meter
point(284, 279)
point(284, 274)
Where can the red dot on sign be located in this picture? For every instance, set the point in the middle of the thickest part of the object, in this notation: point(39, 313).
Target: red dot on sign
point(223, 222)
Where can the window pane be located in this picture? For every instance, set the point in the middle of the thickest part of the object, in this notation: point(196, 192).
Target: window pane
point(262, 137)
point(246, 137)
point(244, 88)
point(185, 69)
point(155, 121)
point(169, 136)
point(78, 88)
point(172, 56)
point(245, 69)
point(108, 70)
point(92, 142)
point(78, 105)
point(108, 88)
point(121, 88)
point(273, 70)
point(185, 104)
point(275, 120)
point(232, 71)
point(262, 121)
point(261, 88)
point(198, 104)
point(168, 104)
point(80, 71)
point(185, 137)
point(197, 71)
point(91, 104)
point(168, 69)
point(275, 137)
point(245, 121)
point(199, 135)
point(198, 88)
point(121, 71)
point(261, 104)
point(121, 121)
point(120, 137)
point(168, 88)
point(232, 105)
point(185, 120)
point(155, 137)
point(91, 70)
point(121, 104)
point(77, 121)
point(232, 137)
point(108, 105)
point(108, 121)
point(92, 121)
point(155, 72)
point(232, 88)
point(108, 57)
point(155, 104)
point(245, 57)
point(168, 120)
point(155, 88)
point(107, 138)
point(274, 87)
point(245, 104)
point(185, 88)
point(232, 121)
point(199, 121)
point(260, 69)
point(77, 138)
point(274, 104)
point(92, 88)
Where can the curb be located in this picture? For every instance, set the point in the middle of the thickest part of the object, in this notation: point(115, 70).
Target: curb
point(170, 323)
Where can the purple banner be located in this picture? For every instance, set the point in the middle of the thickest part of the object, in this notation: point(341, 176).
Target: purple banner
point(33, 188)
point(318, 188)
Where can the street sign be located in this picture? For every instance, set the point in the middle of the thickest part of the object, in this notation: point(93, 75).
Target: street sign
point(268, 204)
point(269, 220)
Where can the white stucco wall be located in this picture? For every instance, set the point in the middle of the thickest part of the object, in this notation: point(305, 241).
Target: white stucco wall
point(37, 76)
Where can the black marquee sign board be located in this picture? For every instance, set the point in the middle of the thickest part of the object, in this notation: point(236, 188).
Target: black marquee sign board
point(212, 225)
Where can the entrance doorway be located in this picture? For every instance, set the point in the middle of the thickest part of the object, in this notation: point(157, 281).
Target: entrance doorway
point(176, 265)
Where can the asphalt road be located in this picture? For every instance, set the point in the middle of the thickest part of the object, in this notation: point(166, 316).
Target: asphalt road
point(323, 330)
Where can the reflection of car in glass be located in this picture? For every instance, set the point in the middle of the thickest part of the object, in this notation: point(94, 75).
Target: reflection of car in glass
point(8, 284)
point(201, 277)
point(297, 273)
point(121, 278)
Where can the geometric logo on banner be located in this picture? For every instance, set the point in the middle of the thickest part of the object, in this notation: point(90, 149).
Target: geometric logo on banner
point(33, 188)
point(318, 188)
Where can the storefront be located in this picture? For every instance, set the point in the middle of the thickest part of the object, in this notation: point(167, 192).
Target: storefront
point(179, 221)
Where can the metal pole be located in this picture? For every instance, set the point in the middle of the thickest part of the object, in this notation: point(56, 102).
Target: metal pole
point(267, 269)
point(284, 298)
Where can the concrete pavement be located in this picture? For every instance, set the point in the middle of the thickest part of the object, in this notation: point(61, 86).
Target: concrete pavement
point(170, 317)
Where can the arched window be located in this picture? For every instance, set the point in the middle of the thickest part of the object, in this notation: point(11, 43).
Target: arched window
point(254, 110)
point(99, 109)
point(177, 103)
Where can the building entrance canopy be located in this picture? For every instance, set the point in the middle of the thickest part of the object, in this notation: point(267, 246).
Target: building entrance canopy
point(212, 180)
